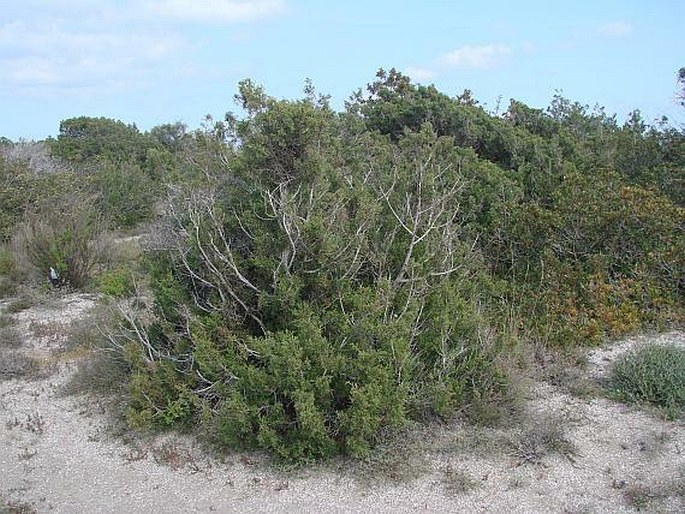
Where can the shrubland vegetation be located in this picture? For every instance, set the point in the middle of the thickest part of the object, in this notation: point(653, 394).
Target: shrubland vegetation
point(315, 279)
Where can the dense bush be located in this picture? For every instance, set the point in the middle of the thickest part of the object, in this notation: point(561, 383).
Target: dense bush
point(126, 195)
point(47, 219)
point(16, 192)
point(603, 259)
point(84, 140)
point(319, 293)
point(10, 272)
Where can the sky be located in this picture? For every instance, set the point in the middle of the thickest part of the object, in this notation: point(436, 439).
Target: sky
point(151, 62)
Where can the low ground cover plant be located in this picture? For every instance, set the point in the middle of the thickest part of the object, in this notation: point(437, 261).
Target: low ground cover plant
point(654, 375)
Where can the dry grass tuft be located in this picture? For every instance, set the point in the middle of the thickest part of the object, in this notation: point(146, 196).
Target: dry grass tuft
point(457, 481)
point(400, 456)
point(20, 304)
point(173, 455)
point(565, 369)
point(10, 338)
point(546, 437)
point(18, 365)
point(6, 321)
point(16, 507)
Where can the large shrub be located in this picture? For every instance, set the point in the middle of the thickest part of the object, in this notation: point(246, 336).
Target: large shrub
point(324, 289)
point(29, 176)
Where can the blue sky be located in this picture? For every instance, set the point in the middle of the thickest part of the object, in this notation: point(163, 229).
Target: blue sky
point(158, 61)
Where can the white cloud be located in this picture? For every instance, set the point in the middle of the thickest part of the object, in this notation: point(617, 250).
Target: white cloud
point(54, 38)
point(47, 58)
point(478, 57)
point(55, 48)
point(214, 11)
point(616, 29)
point(420, 74)
point(464, 57)
point(193, 11)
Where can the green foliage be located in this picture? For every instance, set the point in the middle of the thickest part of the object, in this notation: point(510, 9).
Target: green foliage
point(118, 282)
point(606, 269)
point(84, 140)
point(278, 135)
point(9, 273)
point(17, 191)
point(325, 278)
point(7, 261)
point(126, 194)
point(653, 374)
point(171, 136)
point(327, 303)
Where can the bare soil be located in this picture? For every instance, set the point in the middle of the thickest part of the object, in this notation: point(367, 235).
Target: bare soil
point(573, 454)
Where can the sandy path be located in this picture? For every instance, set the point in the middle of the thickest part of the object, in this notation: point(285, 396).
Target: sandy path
point(56, 455)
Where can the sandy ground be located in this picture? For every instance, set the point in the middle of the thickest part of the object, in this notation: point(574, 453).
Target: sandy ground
point(58, 455)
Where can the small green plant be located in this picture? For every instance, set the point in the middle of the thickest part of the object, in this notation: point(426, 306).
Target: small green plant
point(654, 375)
point(639, 496)
point(35, 423)
point(117, 282)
